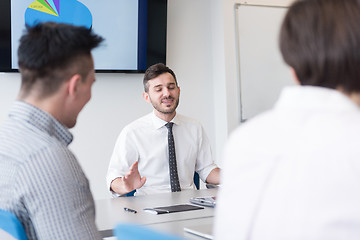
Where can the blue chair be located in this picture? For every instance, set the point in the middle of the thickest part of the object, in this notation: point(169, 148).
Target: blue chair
point(11, 225)
point(196, 182)
point(129, 194)
point(128, 231)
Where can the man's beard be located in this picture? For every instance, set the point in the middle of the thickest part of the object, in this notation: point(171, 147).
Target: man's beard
point(167, 111)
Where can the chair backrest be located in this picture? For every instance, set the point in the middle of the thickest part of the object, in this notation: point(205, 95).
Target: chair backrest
point(196, 182)
point(128, 231)
point(10, 227)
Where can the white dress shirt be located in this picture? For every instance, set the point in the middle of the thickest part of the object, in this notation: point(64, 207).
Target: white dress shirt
point(146, 140)
point(294, 171)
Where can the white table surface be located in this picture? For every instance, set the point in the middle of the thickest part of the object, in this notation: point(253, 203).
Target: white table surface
point(177, 227)
point(110, 212)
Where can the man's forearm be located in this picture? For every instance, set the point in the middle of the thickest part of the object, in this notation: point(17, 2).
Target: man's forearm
point(214, 176)
point(118, 186)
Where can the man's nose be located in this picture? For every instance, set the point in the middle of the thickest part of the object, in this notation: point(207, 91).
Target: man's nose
point(166, 92)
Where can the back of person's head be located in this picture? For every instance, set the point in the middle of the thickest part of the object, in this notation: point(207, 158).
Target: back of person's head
point(155, 71)
point(320, 40)
point(50, 53)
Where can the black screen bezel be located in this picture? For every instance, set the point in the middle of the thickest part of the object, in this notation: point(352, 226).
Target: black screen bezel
point(156, 28)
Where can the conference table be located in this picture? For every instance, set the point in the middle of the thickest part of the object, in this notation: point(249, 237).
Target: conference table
point(110, 212)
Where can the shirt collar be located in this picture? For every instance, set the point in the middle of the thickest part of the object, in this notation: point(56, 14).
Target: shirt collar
point(158, 122)
point(313, 97)
point(22, 111)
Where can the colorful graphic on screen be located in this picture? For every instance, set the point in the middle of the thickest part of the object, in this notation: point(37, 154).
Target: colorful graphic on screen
point(61, 11)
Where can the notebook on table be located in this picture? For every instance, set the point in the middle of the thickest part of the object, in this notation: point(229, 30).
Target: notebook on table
point(172, 209)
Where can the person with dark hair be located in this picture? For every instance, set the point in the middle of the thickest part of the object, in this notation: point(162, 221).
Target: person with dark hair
point(293, 172)
point(41, 181)
point(161, 151)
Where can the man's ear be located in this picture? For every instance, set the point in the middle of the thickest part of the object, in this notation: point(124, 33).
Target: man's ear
point(146, 96)
point(293, 73)
point(73, 85)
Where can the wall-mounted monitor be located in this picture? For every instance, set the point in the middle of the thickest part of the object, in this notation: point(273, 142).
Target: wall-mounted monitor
point(134, 30)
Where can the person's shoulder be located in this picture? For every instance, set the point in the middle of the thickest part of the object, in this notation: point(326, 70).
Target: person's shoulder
point(21, 139)
point(139, 123)
point(35, 150)
point(187, 120)
point(346, 121)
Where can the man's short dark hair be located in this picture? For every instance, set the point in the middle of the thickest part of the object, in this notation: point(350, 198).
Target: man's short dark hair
point(320, 40)
point(50, 52)
point(155, 71)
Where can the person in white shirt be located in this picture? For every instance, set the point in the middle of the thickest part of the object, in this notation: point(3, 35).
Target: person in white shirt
point(293, 172)
point(140, 158)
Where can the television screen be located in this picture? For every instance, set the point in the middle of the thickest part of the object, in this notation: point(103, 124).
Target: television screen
point(134, 30)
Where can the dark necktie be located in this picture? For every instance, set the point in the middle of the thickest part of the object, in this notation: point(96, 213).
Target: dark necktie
point(174, 178)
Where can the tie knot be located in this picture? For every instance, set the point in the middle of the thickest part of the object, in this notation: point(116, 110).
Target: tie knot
point(169, 125)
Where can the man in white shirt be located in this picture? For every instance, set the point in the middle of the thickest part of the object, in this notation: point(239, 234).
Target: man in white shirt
point(294, 172)
point(140, 160)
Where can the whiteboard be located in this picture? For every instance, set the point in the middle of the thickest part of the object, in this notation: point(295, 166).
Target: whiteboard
point(262, 72)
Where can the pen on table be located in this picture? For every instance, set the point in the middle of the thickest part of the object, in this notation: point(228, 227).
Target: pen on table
point(130, 210)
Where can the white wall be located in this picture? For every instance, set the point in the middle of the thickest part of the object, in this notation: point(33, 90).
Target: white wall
point(117, 98)
point(9, 86)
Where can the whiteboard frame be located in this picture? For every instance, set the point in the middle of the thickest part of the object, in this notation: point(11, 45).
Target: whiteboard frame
point(237, 4)
point(267, 3)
